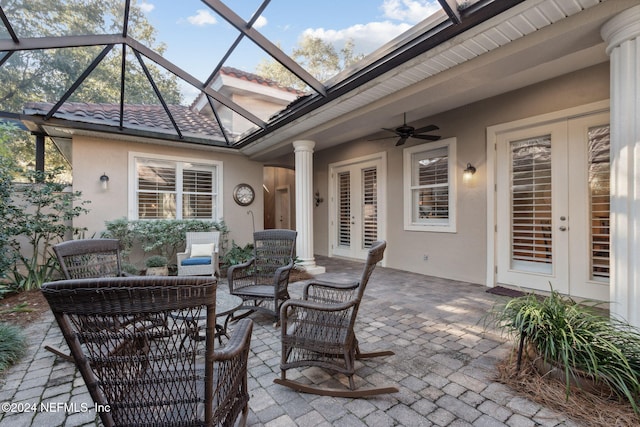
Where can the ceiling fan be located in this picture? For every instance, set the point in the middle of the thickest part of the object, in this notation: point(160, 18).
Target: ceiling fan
point(405, 132)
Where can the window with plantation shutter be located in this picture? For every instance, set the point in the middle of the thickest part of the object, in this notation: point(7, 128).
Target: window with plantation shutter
point(370, 202)
point(170, 189)
point(599, 174)
point(430, 186)
point(344, 209)
point(531, 201)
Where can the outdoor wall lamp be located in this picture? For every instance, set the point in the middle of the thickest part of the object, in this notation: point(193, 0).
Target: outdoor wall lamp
point(468, 172)
point(318, 199)
point(104, 181)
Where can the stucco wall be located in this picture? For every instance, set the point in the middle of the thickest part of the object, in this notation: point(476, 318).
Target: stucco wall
point(94, 156)
point(461, 255)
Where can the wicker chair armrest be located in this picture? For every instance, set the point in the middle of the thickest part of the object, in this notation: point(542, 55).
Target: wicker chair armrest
point(180, 256)
point(240, 275)
point(293, 304)
point(239, 342)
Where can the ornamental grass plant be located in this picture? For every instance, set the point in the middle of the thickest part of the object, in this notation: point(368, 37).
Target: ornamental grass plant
point(12, 345)
point(577, 339)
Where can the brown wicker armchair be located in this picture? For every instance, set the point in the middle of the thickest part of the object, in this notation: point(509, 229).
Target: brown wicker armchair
point(319, 331)
point(146, 375)
point(87, 258)
point(262, 282)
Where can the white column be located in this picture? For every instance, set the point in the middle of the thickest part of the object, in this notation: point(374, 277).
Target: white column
point(304, 205)
point(621, 35)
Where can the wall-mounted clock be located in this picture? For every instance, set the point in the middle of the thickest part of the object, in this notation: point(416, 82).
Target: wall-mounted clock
point(243, 194)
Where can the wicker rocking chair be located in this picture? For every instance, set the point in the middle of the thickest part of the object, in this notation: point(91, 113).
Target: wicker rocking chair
point(319, 331)
point(262, 282)
point(84, 259)
point(146, 375)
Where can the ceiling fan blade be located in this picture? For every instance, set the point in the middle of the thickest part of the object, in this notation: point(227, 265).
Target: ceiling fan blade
point(426, 129)
point(401, 141)
point(427, 137)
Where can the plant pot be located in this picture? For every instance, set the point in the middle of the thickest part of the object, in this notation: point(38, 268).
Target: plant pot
point(157, 271)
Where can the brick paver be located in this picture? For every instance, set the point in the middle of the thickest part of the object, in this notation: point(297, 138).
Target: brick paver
point(443, 365)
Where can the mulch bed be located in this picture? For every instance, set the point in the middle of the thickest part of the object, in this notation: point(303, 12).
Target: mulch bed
point(587, 409)
point(23, 308)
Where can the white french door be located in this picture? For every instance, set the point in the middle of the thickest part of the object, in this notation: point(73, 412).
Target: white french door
point(552, 194)
point(356, 197)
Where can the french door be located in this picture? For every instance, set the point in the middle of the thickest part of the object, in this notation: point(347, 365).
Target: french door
point(552, 196)
point(356, 198)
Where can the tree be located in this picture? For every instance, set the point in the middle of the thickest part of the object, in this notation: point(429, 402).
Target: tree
point(44, 75)
point(317, 56)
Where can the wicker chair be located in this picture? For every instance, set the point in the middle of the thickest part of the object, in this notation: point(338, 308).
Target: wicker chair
point(147, 375)
point(262, 282)
point(319, 331)
point(191, 263)
point(87, 258)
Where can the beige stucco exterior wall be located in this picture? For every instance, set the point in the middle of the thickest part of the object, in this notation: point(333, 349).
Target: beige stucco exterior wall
point(94, 156)
point(460, 255)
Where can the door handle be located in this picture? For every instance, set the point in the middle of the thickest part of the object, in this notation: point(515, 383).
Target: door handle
point(562, 228)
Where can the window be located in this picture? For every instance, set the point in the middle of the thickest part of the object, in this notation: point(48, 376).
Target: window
point(429, 187)
point(166, 188)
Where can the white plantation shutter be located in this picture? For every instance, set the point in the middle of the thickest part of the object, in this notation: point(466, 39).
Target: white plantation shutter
point(531, 237)
point(599, 186)
point(168, 189)
point(370, 206)
point(197, 193)
point(430, 186)
point(344, 209)
point(156, 189)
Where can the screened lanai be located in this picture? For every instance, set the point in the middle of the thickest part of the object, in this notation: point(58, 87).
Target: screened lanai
point(157, 68)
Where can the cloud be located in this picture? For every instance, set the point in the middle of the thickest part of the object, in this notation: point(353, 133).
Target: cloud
point(366, 38)
point(146, 7)
point(260, 22)
point(203, 17)
point(412, 11)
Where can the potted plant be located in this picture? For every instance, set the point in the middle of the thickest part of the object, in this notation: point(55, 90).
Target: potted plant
point(578, 341)
point(157, 265)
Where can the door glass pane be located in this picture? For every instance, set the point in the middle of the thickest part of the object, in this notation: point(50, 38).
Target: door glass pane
point(344, 209)
point(370, 207)
point(531, 238)
point(599, 179)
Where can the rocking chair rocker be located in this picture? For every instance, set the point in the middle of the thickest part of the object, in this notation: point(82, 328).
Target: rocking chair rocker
point(319, 331)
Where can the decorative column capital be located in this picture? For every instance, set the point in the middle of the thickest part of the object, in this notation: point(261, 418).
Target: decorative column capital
point(621, 28)
point(304, 145)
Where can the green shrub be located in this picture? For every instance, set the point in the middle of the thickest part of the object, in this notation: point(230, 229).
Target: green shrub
point(12, 345)
point(237, 254)
point(577, 338)
point(165, 236)
point(156, 261)
point(40, 213)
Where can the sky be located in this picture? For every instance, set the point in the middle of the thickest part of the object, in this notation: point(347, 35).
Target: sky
point(196, 37)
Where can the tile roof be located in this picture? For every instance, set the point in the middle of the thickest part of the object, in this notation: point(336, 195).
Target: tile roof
point(240, 74)
point(146, 117)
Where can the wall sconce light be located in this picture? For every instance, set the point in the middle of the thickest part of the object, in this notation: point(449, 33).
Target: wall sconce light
point(318, 199)
point(468, 172)
point(104, 181)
